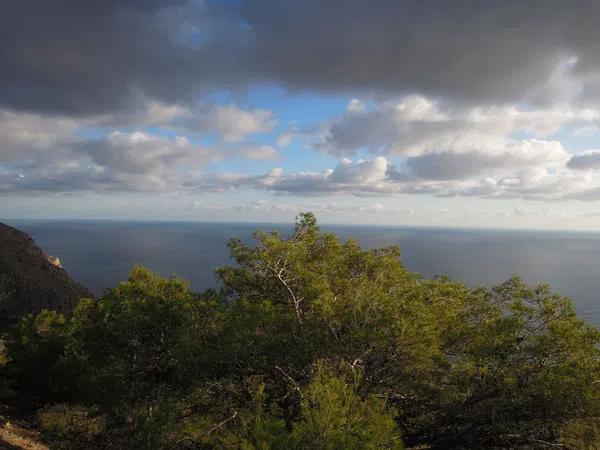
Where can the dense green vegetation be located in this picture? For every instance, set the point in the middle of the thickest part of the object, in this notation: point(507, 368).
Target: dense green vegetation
point(312, 344)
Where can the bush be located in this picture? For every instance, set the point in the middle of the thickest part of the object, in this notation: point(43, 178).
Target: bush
point(71, 427)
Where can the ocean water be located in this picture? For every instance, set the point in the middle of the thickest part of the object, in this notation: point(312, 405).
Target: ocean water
point(100, 254)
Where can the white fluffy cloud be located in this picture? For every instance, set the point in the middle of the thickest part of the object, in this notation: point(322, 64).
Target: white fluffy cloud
point(48, 153)
point(231, 123)
point(134, 161)
point(371, 172)
point(416, 125)
point(353, 177)
point(422, 146)
point(417, 145)
point(24, 136)
point(234, 123)
point(513, 157)
point(142, 153)
point(516, 178)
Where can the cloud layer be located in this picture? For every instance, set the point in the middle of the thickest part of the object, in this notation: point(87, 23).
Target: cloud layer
point(88, 57)
point(461, 98)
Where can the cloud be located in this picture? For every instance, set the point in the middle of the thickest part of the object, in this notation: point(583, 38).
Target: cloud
point(231, 123)
point(145, 112)
point(268, 206)
point(528, 177)
point(141, 153)
point(363, 172)
point(234, 124)
point(514, 157)
point(99, 57)
point(80, 59)
point(56, 153)
point(96, 57)
point(355, 106)
point(465, 49)
point(448, 99)
point(285, 139)
point(255, 152)
point(24, 136)
point(121, 161)
point(586, 161)
point(546, 212)
point(416, 125)
point(347, 177)
point(369, 208)
point(466, 152)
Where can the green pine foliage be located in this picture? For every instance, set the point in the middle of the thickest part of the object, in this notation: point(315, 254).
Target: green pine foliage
point(312, 343)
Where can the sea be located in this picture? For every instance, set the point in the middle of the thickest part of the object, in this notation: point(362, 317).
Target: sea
point(99, 254)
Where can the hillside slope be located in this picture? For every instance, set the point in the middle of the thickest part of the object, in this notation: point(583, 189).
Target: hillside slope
point(30, 280)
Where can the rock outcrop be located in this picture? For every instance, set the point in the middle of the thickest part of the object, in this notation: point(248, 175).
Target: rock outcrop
point(30, 280)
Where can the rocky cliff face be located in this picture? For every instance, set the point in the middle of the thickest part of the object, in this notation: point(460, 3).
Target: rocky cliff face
point(30, 280)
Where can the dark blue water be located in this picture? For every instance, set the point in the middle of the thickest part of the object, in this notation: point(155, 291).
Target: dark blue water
point(100, 254)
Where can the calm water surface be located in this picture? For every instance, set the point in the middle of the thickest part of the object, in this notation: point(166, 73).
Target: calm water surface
point(100, 254)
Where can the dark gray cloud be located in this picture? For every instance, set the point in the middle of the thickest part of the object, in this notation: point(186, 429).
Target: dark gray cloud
point(461, 48)
point(89, 57)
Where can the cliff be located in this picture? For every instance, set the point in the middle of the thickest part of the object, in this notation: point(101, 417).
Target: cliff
point(30, 280)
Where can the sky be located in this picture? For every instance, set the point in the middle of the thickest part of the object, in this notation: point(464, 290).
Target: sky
point(422, 112)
